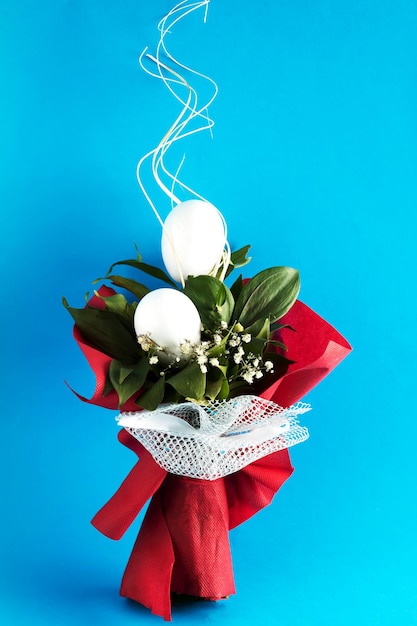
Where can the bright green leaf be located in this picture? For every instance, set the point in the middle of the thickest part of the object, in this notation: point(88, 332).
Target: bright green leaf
point(118, 304)
point(214, 385)
point(269, 294)
point(214, 301)
point(238, 258)
point(224, 391)
point(128, 380)
point(190, 382)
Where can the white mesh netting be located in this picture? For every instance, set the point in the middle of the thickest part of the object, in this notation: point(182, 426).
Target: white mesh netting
point(217, 439)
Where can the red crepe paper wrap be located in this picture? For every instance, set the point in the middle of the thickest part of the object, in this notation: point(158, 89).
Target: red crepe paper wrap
point(183, 544)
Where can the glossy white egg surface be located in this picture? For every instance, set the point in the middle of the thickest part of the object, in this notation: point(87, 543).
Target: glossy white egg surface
point(169, 317)
point(193, 239)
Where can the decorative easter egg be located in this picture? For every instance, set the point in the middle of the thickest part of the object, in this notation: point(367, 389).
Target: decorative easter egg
point(193, 239)
point(169, 317)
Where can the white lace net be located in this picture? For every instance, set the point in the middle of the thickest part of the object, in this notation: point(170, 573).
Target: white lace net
point(217, 439)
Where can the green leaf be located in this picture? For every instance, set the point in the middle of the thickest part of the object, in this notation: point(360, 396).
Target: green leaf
point(128, 380)
point(261, 329)
point(224, 392)
point(214, 301)
point(107, 386)
point(269, 294)
point(118, 304)
point(214, 385)
point(237, 287)
point(256, 346)
point(156, 272)
point(137, 289)
point(138, 253)
point(275, 326)
point(239, 388)
point(281, 364)
point(281, 345)
point(218, 350)
point(190, 382)
point(106, 331)
point(238, 258)
point(152, 397)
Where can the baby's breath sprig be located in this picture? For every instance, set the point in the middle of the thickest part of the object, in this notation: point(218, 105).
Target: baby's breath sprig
point(240, 343)
point(224, 348)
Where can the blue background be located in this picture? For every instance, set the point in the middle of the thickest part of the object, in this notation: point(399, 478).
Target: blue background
point(313, 162)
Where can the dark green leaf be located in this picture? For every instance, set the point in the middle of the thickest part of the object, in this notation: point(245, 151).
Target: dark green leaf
point(214, 384)
point(237, 287)
point(152, 397)
point(139, 254)
point(238, 258)
point(106, 331)
point(274, 342)
point(269, 294)
point(260, 329)
point(190, 382)
point(128, 380)
point(156, 272)
point(137, 289)
point(224, 391)
point(118, 304)
point(212, 298)
point(281, 364)
point(239, 388)
point(256, 346)
point(275, 326)
point(107, 386)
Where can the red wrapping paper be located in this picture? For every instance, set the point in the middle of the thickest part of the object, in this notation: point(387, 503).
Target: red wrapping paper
point(183, 544)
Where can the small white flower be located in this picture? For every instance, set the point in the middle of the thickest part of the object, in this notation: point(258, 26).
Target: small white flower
point(145, 342)
point(217, 339)
point(269, 366)
point(201, 359)
point(255, 362)
point(153, 360)
point(258, 374)
point(186, 347)
point(234, 340)
point(203, 369)
point(248, 376)
point(223, 324)
point(237, 357)
point(246, 338)
point(214, 361)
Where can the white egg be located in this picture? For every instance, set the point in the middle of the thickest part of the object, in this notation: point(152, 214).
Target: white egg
point(193, 238)
point(170, 318)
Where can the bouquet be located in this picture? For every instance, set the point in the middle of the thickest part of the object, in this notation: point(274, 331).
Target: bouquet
point(207, 373)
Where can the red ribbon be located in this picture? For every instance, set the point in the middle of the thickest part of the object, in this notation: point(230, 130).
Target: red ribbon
point(183, 544)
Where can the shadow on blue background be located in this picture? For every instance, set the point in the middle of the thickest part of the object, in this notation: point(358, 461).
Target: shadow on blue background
point(314, 163)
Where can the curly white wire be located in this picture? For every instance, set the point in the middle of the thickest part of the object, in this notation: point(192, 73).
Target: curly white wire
point(191, 109)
